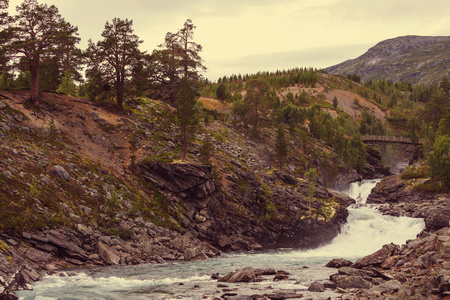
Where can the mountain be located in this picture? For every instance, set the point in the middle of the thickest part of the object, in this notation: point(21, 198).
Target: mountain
point(418, 59)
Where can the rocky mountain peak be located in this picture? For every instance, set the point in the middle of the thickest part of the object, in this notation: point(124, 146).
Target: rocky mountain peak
point(418, 59)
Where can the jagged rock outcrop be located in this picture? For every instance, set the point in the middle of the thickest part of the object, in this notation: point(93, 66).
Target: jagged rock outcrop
point(401, 199)
point(243, 217)
point(420, 269)
point(374, 168)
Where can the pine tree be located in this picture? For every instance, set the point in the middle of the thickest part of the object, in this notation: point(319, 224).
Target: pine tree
point(4, 33)
point(178, 57)
point(67, 86)
point(281, 147)
point(221, 92)
point(37, 30)
point(439, 160)
point(115, 55)
point(335, 102)
point(186, 113)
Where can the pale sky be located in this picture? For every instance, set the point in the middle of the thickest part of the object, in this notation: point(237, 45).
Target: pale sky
point(248, 36)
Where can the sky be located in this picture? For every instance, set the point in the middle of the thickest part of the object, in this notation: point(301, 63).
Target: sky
point(247, 36)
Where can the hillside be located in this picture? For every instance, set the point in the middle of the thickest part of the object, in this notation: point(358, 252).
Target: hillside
point(83, 184)
point(417, 59)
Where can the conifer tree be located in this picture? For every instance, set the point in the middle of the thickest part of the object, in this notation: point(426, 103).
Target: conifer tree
point(281, 147)
point(178, 57)
point(221, 92)
point(4, 33)
point(37, 30)
point(335, 102)
point(115, 55)
point(186, 113)
point(67, 85)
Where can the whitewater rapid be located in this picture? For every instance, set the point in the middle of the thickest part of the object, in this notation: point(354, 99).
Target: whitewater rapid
point(366, 231)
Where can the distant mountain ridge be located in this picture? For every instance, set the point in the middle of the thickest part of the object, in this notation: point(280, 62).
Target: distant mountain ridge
point(418, 59)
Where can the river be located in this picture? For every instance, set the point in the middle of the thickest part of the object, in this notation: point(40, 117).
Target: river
point(365, 232)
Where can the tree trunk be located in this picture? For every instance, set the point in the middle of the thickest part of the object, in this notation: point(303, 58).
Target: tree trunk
point(183, 140)
point(120, 86)
point(34, 70)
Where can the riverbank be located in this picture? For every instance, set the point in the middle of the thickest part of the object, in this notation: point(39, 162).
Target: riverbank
point(292, 271)
point(399, 197)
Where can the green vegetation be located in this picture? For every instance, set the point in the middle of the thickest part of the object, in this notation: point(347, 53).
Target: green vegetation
point(281, 147)
point(291, 117)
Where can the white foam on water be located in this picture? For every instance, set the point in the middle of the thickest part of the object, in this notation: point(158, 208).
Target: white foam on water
point(365, 232)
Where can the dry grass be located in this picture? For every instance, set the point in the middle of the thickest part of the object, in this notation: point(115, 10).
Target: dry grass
point(220, 106)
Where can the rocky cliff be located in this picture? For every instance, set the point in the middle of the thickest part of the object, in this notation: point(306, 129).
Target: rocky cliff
point(417, 59)
point(253, 213)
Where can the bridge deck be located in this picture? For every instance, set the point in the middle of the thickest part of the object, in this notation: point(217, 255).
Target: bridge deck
point(389, 139)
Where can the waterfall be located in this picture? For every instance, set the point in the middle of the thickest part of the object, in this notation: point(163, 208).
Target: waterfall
point(366, 231)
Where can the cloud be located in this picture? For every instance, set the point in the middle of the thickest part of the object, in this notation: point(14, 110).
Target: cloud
point(313, 57)
point(389, 11)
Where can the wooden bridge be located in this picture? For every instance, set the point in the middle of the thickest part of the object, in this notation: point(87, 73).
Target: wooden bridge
point(389, 139)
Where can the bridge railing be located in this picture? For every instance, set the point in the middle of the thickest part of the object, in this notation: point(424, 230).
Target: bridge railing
point(390, 139)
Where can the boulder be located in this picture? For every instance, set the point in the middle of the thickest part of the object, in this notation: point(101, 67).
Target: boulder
point(244, 275)
point(108, 254)
point(376, 258)
point(350, 282)
point(390, 189)
point(59, 172)
point(192, 254)
point(267, 271)
point(316, 287)
point(356, 272)
point(338, 263)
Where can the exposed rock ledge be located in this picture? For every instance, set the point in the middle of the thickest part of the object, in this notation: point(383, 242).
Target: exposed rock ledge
point(401, 200)
point(242, 217)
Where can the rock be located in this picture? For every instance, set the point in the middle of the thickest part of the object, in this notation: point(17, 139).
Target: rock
point(244, 275)
point(85, 210)
point(281, 275)
point(186, 180)
point(316, 287)
point(108, 254)
point(350, 282)
point(4, 127)
point(356, 272)
point(70, 247)
point(338, 262)
point(84, 230)
point(7, 174)
point(45, 179)
point(101, 121)
point(2, 105)
point(376, 258)
point(390, 261)
point(388, 190)
point(268, 271)
point(38, 256)
point(59, 172)
point(192, 254)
